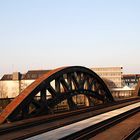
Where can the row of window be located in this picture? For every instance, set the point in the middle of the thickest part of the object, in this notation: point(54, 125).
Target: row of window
point(110, 74)
point(108, 69)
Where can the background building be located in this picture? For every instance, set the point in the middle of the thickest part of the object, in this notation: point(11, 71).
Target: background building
point(111, 75)
point(12, 84)
point(130, 80)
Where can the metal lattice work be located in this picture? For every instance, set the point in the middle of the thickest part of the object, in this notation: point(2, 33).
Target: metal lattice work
point(52, 88)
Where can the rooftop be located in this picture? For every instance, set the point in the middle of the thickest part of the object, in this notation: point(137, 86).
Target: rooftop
point(131, 75)
point(30, 75)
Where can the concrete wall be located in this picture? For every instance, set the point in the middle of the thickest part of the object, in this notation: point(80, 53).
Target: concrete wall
point(12, 88)
point(25, 83)
point(9, 89)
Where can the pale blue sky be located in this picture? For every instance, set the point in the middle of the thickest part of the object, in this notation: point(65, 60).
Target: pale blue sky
point(45, 34)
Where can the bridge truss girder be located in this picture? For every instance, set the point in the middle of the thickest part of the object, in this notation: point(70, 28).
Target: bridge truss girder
point(60, 84)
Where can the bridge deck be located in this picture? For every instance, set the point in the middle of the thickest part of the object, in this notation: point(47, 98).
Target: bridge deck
point(121, 130)
point(73, 128)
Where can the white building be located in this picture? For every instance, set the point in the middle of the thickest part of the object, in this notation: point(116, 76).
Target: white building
point(123, 92)
point(111, 75)
point(12, 84)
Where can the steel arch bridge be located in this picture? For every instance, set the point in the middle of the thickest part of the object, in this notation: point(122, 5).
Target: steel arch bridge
point(60, 84)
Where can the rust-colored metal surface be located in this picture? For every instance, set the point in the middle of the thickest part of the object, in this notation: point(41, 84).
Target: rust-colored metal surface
point(24, 94)
point(67, 82)
point(137, 90)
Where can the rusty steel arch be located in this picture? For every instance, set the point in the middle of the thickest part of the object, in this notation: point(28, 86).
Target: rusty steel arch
point(67, 82)
point(137, 89)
